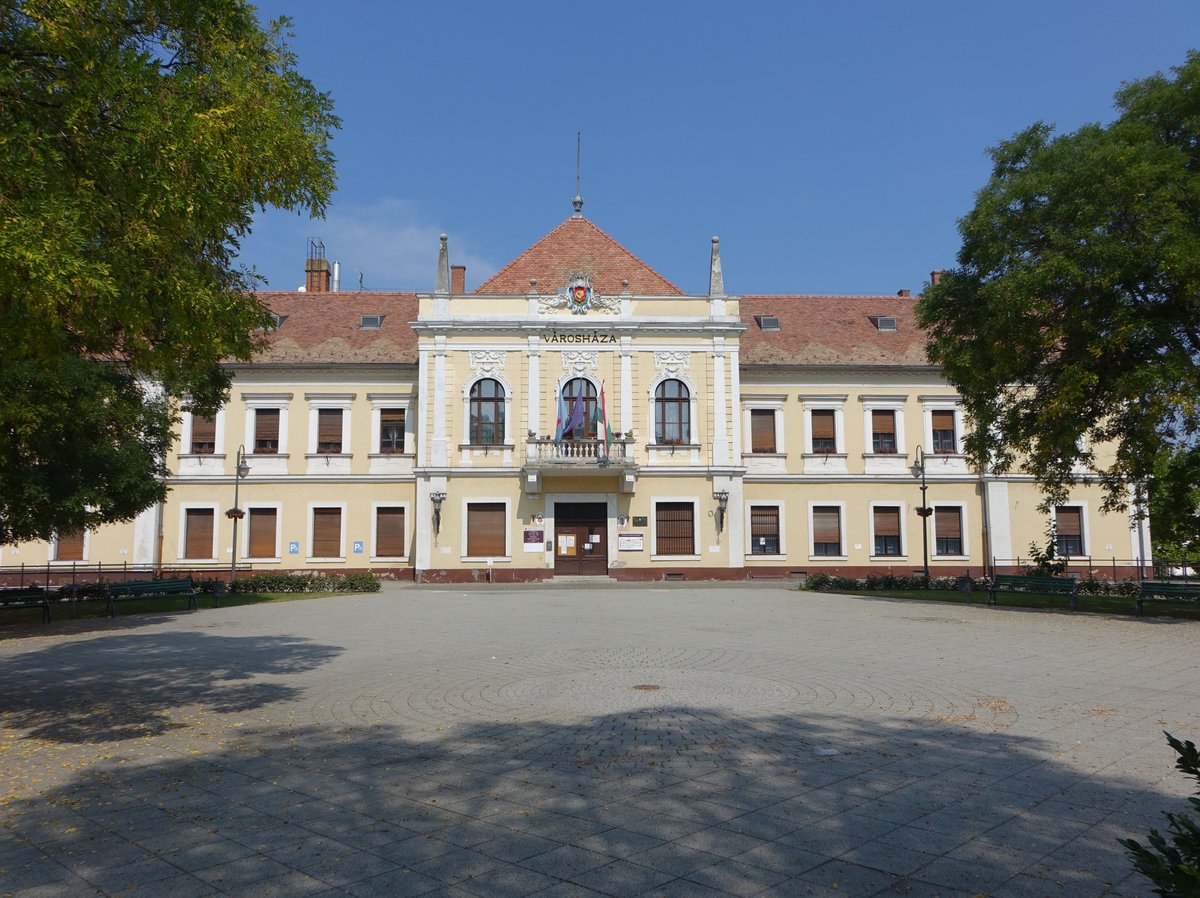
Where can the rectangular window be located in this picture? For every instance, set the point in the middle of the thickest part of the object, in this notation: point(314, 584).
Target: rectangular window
point(266, 432)
point(674, 528)
point(69, 547)
point(327, 533)
point(827, 530)
point(261, 530)
point(204, 435)
point(883, 432)
point(1068, 531)
point(887, 531)
point(487, 530)
point(329, 431)
point(947, 529)
point(198, 533)
point(391, 431)
point(764, 529)
point(824, 433)
point(389, 532)
point(762, 430)
point(944, 440)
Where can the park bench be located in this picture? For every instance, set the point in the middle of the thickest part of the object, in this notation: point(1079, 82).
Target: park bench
point(27, 597)
point(1061, 586)
point(1177, 592)
point(150, 589)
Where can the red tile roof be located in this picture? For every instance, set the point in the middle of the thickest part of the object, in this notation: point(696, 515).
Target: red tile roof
point(832, 330)
point(326, 327)
point(578, 247)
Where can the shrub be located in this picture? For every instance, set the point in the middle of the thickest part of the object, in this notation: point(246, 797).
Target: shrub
point(307, 582)
point(1173, 868)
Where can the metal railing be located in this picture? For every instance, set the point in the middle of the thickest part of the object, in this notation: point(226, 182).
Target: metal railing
point(1086, 568)
point(59, 574)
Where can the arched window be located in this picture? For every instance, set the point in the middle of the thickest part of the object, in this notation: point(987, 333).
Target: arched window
point(486, 427)
point(672, 413)
point(584, 388)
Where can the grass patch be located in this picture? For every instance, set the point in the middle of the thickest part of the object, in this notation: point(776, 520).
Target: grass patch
point(83, 609)
point(1098, 604)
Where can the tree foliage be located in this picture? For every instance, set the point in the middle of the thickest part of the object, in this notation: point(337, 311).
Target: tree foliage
point(137, 140)
point(1071, 321)
point(1173, 866)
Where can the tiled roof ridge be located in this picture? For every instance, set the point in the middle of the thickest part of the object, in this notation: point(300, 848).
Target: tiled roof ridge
point(891, 296)
point(499, 275)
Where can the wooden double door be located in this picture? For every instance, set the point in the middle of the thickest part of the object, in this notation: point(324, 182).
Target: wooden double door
point(580, 538)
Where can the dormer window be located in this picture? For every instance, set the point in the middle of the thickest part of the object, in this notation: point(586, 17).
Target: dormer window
point(279, 319)
point(371, 322)
point(883, 323)
point(767, 322)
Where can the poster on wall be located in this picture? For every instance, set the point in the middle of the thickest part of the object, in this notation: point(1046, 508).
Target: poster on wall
point(630, 542)
point(534, 536)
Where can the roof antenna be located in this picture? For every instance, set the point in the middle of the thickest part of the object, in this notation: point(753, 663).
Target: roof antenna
point(360, 278)
point(578, 201)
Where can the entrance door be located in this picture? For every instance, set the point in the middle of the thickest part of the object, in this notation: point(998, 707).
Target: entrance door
point(580, 538)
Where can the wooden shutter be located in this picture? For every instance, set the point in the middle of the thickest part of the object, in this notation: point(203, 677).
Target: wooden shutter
point(389, 532)
point(198, 533)
point(762, 430)
point(1068, 521)
point(266, 435)
point(262, 532)
point(327, 533)
point(883, 422)
point(822, 425)
point(329, 430)
point(487, 529)
point(827, 525)
point(887, 521)
point(764, 520)
point(204, 435)
point(943, 420)
point(391, 430)
point(69, 547)
point(674, 528)
point(947, 523)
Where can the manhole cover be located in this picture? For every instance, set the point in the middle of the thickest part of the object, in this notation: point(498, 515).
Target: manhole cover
point(647, 687)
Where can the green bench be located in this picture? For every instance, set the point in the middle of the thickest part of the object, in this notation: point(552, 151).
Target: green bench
point(1174, 591)
point(1053, 586)
point(150, 589)
point(27, 597)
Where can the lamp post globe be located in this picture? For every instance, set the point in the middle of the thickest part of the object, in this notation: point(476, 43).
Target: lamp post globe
point(918, 471)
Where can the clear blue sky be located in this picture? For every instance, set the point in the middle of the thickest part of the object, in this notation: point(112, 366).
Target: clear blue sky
point(831, 146)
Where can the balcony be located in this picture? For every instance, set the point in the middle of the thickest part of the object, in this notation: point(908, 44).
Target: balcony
point(580, 458)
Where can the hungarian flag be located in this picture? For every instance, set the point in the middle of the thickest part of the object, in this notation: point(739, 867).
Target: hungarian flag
point(600, 417)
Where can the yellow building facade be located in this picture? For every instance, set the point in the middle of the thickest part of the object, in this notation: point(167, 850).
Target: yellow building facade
point(578, 415)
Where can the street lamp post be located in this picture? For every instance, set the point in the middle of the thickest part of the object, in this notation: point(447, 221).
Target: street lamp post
point(918, 471)
point(241, 469)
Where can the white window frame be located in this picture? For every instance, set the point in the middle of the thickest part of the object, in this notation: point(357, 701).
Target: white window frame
point(651, 410)
point(466, 409)
point(883, 503)
point(695, 502)
point(763, 403)
point(841, 507)
point(893, 404)
point(244, 532)
point(325, 559)
point(964, 524)
point(485, 500)
point(1085, 525)
point(181, 545)
point(836, 404)
point(185, 438)
point(87, 541)
point(318, 401)
point(380, 401)
point(375, 506)
point(779, 508)
point(255, 401)
point(931, 404)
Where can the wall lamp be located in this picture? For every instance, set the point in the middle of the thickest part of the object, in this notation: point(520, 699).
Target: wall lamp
point(722, 497)
point(437, 499)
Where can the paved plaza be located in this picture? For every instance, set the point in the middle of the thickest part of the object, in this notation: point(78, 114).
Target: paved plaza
point(590, 739)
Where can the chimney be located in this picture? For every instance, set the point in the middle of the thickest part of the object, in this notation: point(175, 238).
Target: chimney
point(316, 269)
point(904, 292)
point(935, 278)
point(458, 280)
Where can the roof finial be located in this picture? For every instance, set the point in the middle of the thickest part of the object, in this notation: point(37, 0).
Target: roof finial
point(716, 280)
point(442, 284)
point(578, 201)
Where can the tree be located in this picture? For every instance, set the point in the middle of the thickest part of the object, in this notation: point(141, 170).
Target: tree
point(1071, 322)
point(137, 139)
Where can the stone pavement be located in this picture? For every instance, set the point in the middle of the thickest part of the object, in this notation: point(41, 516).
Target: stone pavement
point(587, 739)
